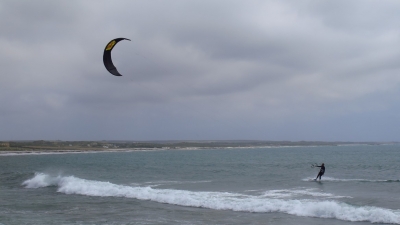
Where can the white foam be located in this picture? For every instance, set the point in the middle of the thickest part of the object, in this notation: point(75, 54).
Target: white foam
point(332, 179)
point(42, 180)
point(161, 183)
point(220, 200)
point(290, 193)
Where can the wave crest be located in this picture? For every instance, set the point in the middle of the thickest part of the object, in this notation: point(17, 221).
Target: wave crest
point(218, 200)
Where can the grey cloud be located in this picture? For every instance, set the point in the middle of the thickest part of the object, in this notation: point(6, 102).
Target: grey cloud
point(203, 69)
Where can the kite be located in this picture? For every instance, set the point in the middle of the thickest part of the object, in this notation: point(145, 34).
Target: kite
point(107, 56)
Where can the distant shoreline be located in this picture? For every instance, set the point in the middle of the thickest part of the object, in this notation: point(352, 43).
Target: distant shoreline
point(46, 150)
point(54, 152)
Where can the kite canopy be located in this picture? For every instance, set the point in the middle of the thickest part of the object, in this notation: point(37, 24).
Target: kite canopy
point(107, 56)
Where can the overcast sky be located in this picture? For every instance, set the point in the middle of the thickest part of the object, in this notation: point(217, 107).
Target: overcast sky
point(201, 70)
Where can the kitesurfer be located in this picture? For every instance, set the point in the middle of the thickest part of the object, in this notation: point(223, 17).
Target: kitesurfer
point(321, 171)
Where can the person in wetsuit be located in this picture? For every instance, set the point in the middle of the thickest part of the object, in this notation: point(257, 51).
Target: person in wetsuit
point(321, 171)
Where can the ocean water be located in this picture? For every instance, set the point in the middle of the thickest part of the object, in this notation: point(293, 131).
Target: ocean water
point(361, 185)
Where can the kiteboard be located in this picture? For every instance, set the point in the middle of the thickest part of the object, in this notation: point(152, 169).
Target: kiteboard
point(314, 180)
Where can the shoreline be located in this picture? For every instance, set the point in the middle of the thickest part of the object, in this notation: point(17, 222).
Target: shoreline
point(81, 151)
point(55, 152)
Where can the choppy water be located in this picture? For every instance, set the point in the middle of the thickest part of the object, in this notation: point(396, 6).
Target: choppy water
point(225, 186)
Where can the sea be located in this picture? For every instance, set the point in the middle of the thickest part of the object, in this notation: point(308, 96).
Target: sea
point(264, 185)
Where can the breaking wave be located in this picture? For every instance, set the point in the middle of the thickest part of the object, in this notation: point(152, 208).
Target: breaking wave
point(267, 202)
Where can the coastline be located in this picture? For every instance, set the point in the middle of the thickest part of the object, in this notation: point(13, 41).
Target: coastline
point(54, 152)
point(44, 151)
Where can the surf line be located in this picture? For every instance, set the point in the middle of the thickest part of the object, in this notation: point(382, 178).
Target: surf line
point(218, 200)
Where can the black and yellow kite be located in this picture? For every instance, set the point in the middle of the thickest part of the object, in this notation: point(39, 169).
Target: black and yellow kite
point(107, 56)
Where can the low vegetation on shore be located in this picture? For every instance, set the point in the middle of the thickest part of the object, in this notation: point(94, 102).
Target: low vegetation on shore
point(42, 145)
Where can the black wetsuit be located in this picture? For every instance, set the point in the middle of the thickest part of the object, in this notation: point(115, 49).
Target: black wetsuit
point(321, 171)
